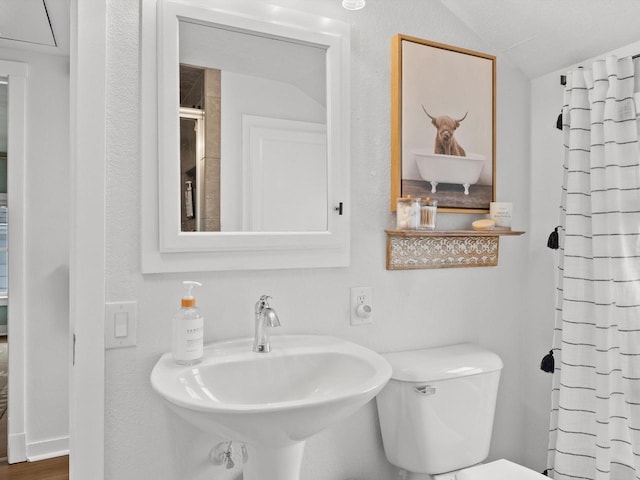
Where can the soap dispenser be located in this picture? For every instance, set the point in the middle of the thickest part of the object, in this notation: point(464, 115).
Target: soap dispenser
point(188, 329)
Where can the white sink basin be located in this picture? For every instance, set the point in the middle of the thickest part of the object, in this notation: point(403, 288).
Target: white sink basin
point(272, 401)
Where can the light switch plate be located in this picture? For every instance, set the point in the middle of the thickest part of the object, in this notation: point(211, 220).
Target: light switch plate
point(121, 324)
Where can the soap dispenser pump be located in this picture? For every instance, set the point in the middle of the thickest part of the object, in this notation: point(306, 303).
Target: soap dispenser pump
point(188, 329)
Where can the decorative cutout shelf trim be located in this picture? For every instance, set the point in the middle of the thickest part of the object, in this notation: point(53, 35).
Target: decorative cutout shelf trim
point(419, 249)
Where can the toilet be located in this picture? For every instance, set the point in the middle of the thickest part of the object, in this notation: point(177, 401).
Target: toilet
point(436, 414)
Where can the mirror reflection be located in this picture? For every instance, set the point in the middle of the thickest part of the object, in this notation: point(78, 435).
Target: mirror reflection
point(253, 140)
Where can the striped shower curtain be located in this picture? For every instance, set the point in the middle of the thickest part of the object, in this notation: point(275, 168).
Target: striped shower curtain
point(595, 417)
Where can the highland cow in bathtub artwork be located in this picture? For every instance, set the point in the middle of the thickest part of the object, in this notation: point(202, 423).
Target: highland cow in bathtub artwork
point(443, 124)
point(445, 142)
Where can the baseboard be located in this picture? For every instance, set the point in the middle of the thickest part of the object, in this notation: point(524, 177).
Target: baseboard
point(55, 447)
point(16, 445)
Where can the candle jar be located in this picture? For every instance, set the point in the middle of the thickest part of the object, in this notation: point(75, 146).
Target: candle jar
point(408, 213)
point(428, 211)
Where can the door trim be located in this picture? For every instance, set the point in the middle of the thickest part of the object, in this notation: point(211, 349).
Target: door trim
point(87, 250)
point(17, 73)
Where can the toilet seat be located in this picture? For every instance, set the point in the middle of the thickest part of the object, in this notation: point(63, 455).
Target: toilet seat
point(500, 469)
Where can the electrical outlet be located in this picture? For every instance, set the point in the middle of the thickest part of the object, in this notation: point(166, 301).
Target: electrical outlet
point(361, 306)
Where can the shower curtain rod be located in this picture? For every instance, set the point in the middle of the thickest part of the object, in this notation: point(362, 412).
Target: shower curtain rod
point(563, 78)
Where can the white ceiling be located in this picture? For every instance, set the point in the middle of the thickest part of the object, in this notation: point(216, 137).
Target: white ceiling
point(538, 36)
point(35, 25)
point(542, 36)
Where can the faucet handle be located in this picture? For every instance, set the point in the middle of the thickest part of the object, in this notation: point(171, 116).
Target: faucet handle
point(262, 303)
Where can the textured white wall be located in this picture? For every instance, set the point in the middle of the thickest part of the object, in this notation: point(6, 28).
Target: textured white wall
point(47, 245)
point(412, 308)
point(546, 180)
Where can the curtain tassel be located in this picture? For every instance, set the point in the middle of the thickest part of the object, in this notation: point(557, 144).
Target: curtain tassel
point(548, 363)
point(553, 242)
point(559, 122)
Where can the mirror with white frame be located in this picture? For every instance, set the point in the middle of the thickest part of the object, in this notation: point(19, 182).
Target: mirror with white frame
point(253, 168)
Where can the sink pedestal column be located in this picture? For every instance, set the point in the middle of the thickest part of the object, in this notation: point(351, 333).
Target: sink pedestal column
point(279, 463)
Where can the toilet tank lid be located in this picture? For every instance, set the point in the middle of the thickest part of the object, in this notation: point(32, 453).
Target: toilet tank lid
point(499, 469)
point(441, 363)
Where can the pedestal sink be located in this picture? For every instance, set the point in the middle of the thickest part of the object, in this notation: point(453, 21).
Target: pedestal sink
point(272, 401)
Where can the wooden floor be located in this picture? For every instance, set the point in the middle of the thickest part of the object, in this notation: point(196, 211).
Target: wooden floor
point(53, 469)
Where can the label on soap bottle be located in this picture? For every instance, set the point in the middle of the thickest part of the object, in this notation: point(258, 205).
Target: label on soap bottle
point(189, 337)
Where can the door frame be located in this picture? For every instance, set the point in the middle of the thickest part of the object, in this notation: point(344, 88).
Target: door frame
point(87, 239)
point(16, 73)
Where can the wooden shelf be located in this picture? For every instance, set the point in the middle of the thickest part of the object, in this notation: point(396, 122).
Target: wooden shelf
point(455, 233)
point(420, 249)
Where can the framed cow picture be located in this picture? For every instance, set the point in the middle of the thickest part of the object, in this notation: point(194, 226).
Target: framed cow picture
point(443, 117)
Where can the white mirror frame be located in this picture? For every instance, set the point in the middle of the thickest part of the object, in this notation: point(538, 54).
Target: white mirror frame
point(164, 247)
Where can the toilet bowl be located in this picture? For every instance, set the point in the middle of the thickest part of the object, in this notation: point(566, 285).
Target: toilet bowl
point(436, 414)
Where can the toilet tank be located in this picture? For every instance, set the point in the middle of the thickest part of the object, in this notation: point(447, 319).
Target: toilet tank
point(436, 412)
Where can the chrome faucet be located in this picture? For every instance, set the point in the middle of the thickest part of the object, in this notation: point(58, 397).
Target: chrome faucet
point(265, 317)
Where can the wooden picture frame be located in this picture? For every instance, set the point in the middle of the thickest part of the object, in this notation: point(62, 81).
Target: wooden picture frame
point(443, 123)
